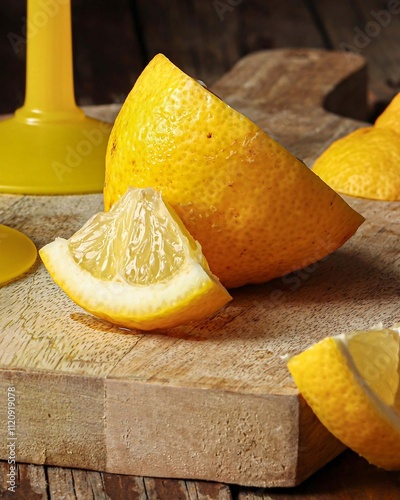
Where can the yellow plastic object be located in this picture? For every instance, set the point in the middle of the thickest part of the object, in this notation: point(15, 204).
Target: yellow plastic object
point(49, 146)
point(17, 254)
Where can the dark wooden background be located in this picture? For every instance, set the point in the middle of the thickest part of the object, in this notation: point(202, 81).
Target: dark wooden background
point(114, 39)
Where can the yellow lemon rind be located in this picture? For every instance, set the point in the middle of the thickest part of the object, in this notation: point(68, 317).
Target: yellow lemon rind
point(347, 407)
point(363, 164)
point(389, 118)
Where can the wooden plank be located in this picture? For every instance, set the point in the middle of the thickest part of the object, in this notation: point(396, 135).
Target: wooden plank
point(275, 24)
point(53, 408)
point(53, 483)
point(71, 484)
point(206, 38)
point(206, 432)
point(6, 202)
point(191, 34)
point(212, 400)
point(31, 482)
point(347, 477)
point(107, 52)
point(369, 28)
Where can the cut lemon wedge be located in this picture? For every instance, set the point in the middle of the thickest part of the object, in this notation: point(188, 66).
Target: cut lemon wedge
point(351, 382)
point(136, 266)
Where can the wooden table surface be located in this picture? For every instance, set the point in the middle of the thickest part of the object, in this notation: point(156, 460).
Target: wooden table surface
point(347, 477)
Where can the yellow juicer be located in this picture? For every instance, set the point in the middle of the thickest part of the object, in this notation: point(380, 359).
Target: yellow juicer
point(49, 146)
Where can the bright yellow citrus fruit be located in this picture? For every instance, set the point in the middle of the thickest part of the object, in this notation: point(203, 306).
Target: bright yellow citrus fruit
point(366, 162)
point(257, 211)
point(390, 118)
point(136, 266)
point(351, 382)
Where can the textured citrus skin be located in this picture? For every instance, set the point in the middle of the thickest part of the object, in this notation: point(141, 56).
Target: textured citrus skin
point(323, 377)
point(365, 163)
point(257, 211)
point(390, 118)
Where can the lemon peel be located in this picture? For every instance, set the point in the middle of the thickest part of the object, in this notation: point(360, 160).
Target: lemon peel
point(366, 162)
point(351, 382)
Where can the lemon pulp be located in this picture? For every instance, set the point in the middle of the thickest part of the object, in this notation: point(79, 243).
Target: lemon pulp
point(136, 266)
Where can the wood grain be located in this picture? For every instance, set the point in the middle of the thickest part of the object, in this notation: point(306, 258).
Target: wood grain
point(212, 400)
point(55, 483)
point(113, 43)
point(347, 477)
point(371, 29)
point(212, 36)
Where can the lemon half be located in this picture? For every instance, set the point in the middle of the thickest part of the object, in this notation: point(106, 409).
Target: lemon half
point(366, 162)
point(257, 211)
point(351, 382)
point(136, 266)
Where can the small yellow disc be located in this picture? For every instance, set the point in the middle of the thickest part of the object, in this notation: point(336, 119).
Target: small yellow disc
point(17, 254)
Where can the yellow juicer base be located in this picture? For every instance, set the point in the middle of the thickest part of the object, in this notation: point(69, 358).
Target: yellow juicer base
point(52, 157)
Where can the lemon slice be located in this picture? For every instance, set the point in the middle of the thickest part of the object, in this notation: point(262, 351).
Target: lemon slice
point(136, 266)
point(351, 382)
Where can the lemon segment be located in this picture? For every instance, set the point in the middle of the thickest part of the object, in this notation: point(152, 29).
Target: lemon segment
point(257, 211)
point(351, 382)
point(136, 266)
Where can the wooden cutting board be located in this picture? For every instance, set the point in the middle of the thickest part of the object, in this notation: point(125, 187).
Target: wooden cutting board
point(212, 400)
